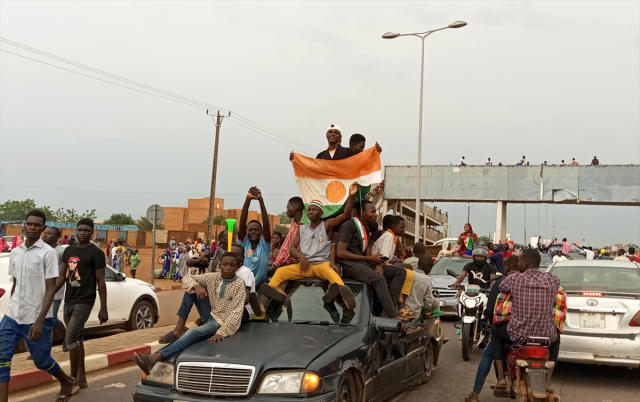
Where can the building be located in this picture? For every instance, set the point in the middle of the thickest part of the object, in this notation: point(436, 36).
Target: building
point(181, 222)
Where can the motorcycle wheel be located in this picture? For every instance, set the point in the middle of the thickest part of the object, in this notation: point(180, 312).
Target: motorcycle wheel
point(467, 341)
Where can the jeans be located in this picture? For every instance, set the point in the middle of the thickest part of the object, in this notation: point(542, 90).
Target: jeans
point(75, 316)
point(56, 308)
point(10, 334)
point(202, 305)
point(484, 368)
point(388, 295)
point(193, 335)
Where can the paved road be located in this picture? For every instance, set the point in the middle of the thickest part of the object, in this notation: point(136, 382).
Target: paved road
point(451, 380)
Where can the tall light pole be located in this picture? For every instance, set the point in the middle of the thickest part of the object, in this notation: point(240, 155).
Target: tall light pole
point(421, 35)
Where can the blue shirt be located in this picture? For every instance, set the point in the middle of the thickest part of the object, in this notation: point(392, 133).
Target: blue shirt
point(256, 260)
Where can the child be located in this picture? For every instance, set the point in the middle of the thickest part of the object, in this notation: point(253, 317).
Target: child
point(134, 260)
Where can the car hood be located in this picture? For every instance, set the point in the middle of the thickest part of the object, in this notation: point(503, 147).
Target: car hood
point(266, 346)
point(443, 281)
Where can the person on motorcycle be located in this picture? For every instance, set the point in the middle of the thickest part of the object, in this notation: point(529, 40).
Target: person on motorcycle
point(511, 267)
point(533, 312)
point(480, 271)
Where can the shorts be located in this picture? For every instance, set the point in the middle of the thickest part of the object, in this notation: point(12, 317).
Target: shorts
point(75, 316)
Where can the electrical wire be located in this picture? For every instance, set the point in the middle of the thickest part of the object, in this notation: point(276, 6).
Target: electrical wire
point(181, 99)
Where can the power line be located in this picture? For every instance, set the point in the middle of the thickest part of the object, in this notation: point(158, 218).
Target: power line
point(182, 99)
point(125, 192)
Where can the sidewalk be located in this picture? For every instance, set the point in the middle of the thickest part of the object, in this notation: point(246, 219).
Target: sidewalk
point(166, 284)
point(100, 353)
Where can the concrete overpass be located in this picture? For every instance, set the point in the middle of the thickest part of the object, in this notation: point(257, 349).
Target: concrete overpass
point(591, 185)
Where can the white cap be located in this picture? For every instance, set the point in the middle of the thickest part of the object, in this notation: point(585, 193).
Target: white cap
point(334, 127)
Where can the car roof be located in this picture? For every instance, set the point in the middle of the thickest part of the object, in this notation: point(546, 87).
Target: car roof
point(597, 263)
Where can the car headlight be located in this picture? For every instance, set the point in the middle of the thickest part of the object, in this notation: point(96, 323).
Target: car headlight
point(161, 373)
point(289, 382)
point(153, 288)
point(470, 303)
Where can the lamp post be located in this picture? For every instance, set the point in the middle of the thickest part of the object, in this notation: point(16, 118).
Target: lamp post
point(421, 35)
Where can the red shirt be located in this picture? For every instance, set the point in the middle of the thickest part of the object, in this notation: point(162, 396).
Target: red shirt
point(507, 254)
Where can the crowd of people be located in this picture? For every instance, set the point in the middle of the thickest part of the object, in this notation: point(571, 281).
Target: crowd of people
point(223, 284)
point(524, 162)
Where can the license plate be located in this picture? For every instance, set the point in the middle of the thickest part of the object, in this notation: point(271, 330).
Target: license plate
point(592, 320)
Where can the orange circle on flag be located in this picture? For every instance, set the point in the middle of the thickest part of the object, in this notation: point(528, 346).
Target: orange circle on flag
point(336, 191)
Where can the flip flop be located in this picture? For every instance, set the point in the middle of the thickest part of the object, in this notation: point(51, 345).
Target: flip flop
point(74, 390)
point(467, 398)
point(347, 297)
point(332, 292)
point(83, 385)
point(168, 338)
point(144, 364)
point(272, 293)
point(256, 305)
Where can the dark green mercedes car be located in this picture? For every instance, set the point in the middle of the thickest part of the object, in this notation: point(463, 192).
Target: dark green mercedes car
point(308, 351)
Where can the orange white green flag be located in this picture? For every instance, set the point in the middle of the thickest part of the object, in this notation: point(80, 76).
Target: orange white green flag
point(328, 181)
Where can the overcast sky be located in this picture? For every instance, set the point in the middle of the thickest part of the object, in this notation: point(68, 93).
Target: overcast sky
point(552, 80)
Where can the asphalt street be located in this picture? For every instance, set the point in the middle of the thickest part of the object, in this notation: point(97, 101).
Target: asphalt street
point(452, 379)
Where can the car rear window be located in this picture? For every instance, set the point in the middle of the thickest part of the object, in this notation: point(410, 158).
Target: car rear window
point(455, 264)
point(600, 278)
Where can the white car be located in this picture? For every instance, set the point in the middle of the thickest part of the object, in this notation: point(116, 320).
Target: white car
point(603, 312)
point(132, 304)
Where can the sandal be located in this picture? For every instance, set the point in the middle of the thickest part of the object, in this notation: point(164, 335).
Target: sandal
point(74, 390)
point(467, 398)
point(332, 292)
point(142, 361)
point(83, 385)
point(256, 305)
point(347, 297)
point(272, 293)
point(168, 338)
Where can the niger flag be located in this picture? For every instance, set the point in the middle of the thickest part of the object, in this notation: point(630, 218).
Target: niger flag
point(328, 181)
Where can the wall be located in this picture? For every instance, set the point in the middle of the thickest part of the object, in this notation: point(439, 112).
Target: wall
point(13, 230)
point(174, 218)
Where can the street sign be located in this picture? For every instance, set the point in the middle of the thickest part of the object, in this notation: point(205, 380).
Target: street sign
point(155, 214)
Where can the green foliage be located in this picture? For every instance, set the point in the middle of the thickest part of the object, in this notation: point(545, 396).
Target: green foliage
point(217, 220)
point(284, 219)
point(145, 224)
point(282, 229)
point(120, 219)
point(484, 240)
point(17, 210)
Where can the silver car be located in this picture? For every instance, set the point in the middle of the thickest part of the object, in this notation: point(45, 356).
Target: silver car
point(603, 312)
point(441, 282)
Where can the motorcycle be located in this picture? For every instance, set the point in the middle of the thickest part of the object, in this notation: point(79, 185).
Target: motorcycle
point(526, 368)
point(475, 328)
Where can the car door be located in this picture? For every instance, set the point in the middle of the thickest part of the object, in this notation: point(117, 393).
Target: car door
point(118, 300)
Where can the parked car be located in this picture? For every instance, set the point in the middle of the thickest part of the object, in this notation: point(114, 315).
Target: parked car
point(603, 312)
point(132, 303)
point(308, 351)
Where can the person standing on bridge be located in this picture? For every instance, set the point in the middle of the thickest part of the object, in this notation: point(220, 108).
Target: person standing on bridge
point(595, 161)
point(462, 163)
point(357, 143)
point(574, 162)
point(467, 239)
point(489, 163)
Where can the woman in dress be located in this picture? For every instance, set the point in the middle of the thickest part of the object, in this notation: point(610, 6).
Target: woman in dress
point(467, 239)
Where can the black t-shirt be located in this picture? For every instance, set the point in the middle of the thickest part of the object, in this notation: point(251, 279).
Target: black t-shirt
point(349, 234)
point(474, 274)
point(81, 280)
point(340, 153)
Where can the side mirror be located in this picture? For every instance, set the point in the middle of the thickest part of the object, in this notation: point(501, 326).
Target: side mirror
point(450, 272)
point(385, 324)
point(122, 277)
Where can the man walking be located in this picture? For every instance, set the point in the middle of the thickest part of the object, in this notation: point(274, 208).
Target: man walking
point(51, 236)
point(81, 272)
point(34, 268)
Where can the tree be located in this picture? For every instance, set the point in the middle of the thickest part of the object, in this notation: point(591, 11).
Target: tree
point(16, 210)
point(484, 240)
point(70, 215)
point(120, 219)
point(282, 229)
point(217, 220)
point(284, 219)
point(145, 225)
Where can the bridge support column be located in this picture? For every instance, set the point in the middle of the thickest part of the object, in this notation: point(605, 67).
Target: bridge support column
point(500, 215)
point(504, 221)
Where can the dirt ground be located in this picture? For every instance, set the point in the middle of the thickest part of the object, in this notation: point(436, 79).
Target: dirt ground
point(144, 269)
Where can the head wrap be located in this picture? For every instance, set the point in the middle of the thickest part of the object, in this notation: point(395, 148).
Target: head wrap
point(317, 204)
point(334, 127)
point(86, 221)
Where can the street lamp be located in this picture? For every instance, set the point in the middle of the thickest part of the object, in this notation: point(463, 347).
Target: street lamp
point(421, 35)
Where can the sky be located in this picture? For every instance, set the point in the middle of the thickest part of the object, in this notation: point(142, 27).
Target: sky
point(551, 80)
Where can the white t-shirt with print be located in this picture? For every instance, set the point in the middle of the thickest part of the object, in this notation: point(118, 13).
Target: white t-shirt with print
point(246, 275)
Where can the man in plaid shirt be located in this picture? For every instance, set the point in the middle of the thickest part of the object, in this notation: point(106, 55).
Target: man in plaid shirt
point(534, 295)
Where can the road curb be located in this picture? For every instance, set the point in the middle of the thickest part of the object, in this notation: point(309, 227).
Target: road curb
point(165, 288)
point(32, 377)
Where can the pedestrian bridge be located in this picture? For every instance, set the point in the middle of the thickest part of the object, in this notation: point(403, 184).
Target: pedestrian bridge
point(592, 185)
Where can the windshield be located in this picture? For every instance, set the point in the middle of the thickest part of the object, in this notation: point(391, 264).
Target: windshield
point(545, 261)
point(304, 305)
point(455, 264)
point(603, 279)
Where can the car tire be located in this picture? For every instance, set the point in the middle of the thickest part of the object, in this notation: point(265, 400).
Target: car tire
point(428, 362)
point(346, 391)
point(142, 316)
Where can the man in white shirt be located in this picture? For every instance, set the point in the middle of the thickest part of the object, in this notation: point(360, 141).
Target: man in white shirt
point(588, 251)
point(422, 288)
point(559, 257)
point(246, 275)
point(462, 162)
point(489, 163)
point(34, 268)
point(621, 256)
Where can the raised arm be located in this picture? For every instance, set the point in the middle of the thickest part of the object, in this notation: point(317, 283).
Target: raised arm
point(242, 227)
point(266, 224)
point(329, 224)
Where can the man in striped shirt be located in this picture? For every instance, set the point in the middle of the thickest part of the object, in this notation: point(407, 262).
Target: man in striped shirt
point(226, 293)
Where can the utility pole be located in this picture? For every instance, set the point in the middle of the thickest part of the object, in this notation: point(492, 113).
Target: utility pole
point(212, 195)
point(525, 222)
point(468, 213)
